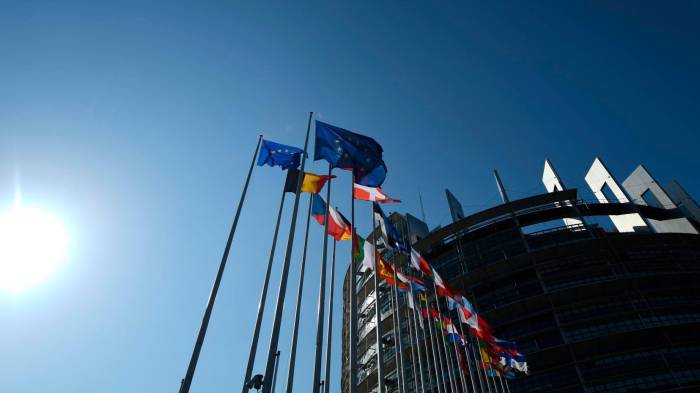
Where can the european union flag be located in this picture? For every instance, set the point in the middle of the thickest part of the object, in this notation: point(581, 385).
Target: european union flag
point(272, 153)
point(348, 150)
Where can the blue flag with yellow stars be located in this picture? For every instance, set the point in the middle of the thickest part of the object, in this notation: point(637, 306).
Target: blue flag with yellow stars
point(277, 154)
point(348, 150)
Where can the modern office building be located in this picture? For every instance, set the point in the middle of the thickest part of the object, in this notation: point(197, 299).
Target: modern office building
point(595, 308)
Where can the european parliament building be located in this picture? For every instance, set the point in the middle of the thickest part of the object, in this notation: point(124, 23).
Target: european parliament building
point(594, 308)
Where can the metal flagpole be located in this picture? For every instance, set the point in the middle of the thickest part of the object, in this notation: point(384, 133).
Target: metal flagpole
point(483, 364)
point(327, 379)
point(397, 358)
point(322, 292)
point(459, 365)
point(352, 349)
point(411, 327)
point(187, 381)
point(295, 334)
point(377, 311)
point(441, 355)
point(469, 361)
point(412, 334)
point(483, 381)
point(426, 348)
point(277, 321)
point(418, 348)
point(437, 358)
point(448, 359)
point(458, 250)
point(263, 297)
point(402, 371)
point(500, 380)
point(457, 362)
point(393, 328)
point(274, 378)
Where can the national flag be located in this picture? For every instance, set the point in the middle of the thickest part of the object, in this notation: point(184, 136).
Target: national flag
point(520, 365)
point(364, 253)
point(312, 183)
point(455, 338)
point(422, 297)
point(466, 318)
point(417, 285)
point(412, 282)
point(464, 309)
point(485, 356)
point(514, 361)
point(372, 194)
point(403, 280)
point(348, 150)
point(432, 312)
point(453, 303)
point(412, 304)
point(277, 154)
point(484, 326)
point(386, 271)
point(419, 263)
point(467, 305)
point(504, 361)
point(481, 334)
point(451, 332)
point(441, 287)
point(410, 301)
point(390, 235)
point(338, 226)
point(505, 346)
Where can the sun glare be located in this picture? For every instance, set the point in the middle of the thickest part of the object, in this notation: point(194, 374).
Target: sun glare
point(33, 244)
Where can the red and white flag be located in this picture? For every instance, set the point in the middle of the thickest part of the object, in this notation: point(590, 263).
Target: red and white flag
point(372, 194)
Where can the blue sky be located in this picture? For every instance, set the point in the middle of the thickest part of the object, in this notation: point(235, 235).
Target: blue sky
point(135, 123)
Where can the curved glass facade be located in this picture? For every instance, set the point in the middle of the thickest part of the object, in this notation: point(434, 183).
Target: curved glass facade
point(594, 311)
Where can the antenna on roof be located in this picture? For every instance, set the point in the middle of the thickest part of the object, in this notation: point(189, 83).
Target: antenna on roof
point(422, 209)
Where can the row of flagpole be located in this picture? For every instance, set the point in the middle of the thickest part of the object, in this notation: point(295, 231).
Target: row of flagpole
point(448, 372)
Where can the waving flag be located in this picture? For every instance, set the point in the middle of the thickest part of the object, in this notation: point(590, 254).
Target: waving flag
point(412, 304)
point(441, 287)
point(520, 365)
point(505, 346)
point(277, 154)
point(404, 282)
point(460, 302)
point(338, 226)
point(386, 272)
point(390, 235)
point(415, 284)
point(364, 253)
point(470, 319)
point(348, 150)
point(372, 194)
point(451, 332)
point(420, 264)
point(311, 183)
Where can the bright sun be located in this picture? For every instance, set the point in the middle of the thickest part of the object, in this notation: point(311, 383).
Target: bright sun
point(33, 244)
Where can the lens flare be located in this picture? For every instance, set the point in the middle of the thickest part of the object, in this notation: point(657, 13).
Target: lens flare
point(33, 244)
